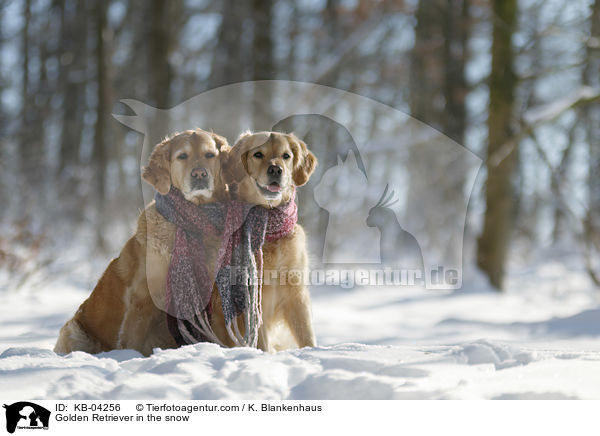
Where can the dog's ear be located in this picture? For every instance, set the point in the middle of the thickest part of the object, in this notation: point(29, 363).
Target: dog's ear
point(304, 161)
point(158, 171)
point(234, 166)
point(222, 144)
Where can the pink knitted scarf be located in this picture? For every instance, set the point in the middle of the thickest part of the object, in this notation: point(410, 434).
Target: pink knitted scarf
point(242, 229)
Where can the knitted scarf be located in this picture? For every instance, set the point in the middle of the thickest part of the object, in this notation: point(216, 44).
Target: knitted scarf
point(241, 229)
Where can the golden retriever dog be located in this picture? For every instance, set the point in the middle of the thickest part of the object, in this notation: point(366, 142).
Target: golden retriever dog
point(126, 308)
point(265, 168)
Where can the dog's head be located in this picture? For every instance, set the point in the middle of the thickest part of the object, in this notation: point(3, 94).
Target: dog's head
point(191, 162)
point(267, 165)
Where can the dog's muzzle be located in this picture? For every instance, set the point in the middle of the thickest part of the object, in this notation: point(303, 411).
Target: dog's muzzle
point(199, 178)
point(274, 173)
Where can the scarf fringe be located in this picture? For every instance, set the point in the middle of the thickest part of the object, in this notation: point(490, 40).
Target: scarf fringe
point(245, 229)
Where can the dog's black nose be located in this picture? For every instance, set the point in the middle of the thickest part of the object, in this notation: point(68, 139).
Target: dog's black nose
point(274, 170)
point(199, 173)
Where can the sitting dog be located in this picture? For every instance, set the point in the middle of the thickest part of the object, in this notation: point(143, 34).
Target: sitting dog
point(264, 169)
point(127, 307)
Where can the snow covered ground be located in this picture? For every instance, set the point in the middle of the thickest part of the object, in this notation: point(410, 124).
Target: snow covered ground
point(539, 340)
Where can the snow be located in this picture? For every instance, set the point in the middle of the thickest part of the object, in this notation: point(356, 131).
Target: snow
point(538, 340)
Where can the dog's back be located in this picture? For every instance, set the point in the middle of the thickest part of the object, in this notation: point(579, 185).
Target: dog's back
point(126, 308)
point(120, 312)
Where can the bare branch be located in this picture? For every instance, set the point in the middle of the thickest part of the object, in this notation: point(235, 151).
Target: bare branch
point(544, 114)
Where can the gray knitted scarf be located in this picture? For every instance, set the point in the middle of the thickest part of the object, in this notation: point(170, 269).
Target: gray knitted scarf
point(242, 229)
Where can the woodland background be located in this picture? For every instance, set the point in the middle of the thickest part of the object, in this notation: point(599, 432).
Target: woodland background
point(515, 82)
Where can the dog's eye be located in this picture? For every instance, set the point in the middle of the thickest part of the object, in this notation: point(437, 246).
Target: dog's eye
point(209, 155)
point(182, 156)
point(258, 155)
point(286, 155)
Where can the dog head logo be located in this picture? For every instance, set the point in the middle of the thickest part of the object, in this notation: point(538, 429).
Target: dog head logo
point(26, 415)
point(367, 146)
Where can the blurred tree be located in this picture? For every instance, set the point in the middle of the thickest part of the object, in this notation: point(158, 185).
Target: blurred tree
point(591, 77)
point(591, 114)
point(25, 99)
point(456, 54)
point(427, 56)
point(501, 162)
point(3, 85)
point(263, 64)
point(100, 158)
point(229, 62)
point(28, 144)
point(228, 57)
point(163, 39)
point(34, 97)
point(73, 80)
point(160, 40)
point(560, 218)
point(437, 97)
point(55, 56)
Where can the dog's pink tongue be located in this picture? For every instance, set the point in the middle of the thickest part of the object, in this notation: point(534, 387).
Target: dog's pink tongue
point(274, 187)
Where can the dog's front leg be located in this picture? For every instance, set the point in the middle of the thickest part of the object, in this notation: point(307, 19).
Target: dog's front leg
point(139, 314)
point(297, 314)
point(263, 339)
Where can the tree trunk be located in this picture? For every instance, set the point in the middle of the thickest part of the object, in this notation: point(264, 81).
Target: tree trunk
point(159, 69)
point(561, 175)
point(427, 69)
point(457, 30)
point(493, 243)
point(438, 88)
point(592, 114)
point(73, 76)
point(100, 130)
point(162, 40)
point(228, 59)
point(263, 64)
point(160, 72)
point(230, 63)
point(25, 100)
point(437, 97)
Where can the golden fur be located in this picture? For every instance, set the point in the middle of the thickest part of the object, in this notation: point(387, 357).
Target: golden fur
point(125, 309)
point(285, 300)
